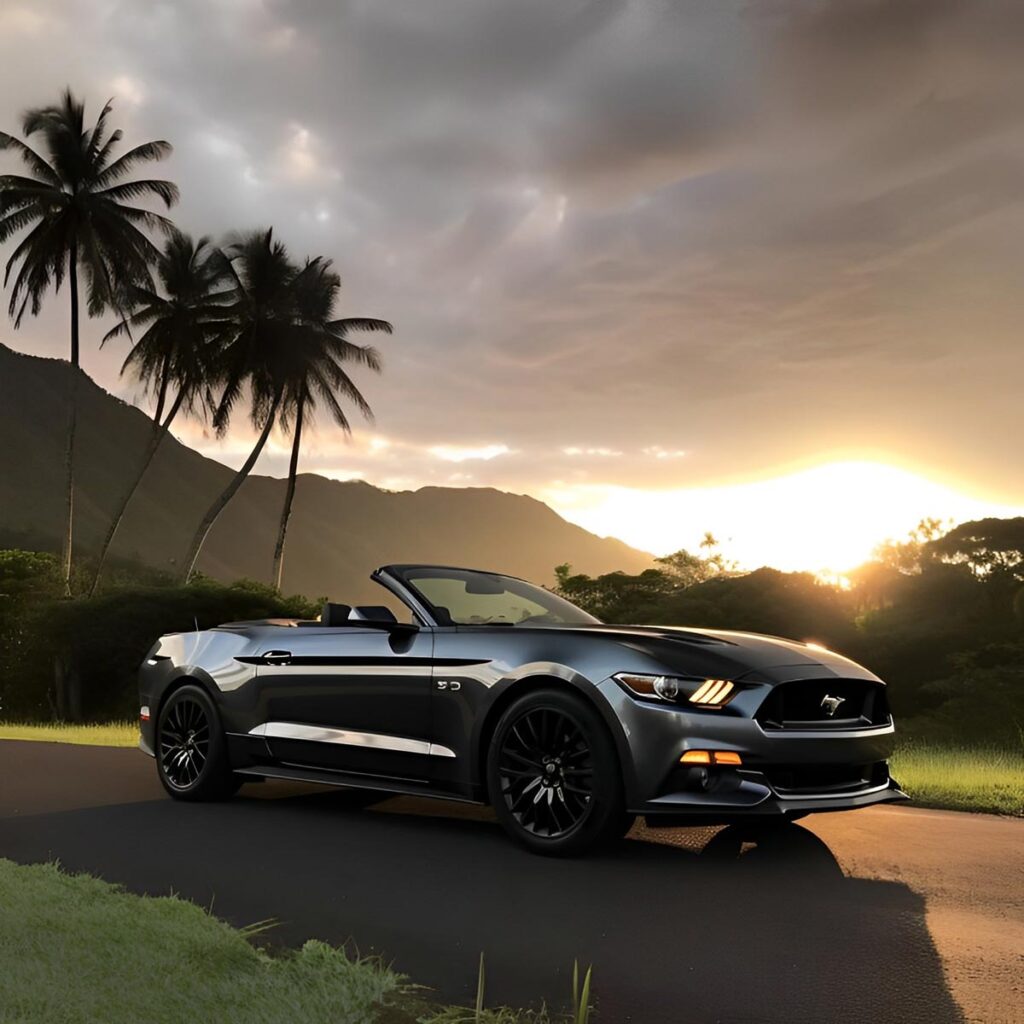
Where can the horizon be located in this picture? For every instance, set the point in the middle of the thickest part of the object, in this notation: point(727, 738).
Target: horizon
point(798, 539)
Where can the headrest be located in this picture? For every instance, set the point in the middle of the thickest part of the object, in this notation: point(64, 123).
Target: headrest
point(374, 613)
point(334, 614)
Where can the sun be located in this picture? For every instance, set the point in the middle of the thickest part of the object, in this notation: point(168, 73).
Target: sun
point(825, 519)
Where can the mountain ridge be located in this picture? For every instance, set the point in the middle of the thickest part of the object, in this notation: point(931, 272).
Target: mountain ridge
point(339, 532)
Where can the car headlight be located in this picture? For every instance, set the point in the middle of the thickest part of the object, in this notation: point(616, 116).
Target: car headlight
point(707, 693)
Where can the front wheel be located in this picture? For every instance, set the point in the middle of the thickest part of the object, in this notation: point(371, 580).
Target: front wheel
point(553, 775)
point(191, 754)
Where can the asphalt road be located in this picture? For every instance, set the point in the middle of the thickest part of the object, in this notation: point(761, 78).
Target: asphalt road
point(879, 915)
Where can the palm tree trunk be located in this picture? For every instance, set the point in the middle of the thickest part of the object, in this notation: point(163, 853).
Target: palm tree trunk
point(159, 432)
point(289, 495)
point(72, 423)
point(161, 397)
point(229, 492)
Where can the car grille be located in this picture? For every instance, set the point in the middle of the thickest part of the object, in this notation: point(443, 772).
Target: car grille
point(804, 704)
point(790, 780)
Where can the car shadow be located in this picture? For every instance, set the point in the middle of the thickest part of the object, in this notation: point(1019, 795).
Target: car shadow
point(685, 927)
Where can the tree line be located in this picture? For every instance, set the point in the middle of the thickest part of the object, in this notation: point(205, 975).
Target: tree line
point(939, 616)
point(210, 326)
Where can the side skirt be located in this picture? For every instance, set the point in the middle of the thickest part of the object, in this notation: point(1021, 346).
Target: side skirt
point(348, 781)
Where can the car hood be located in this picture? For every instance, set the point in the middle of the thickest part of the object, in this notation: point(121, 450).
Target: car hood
point(734, 653)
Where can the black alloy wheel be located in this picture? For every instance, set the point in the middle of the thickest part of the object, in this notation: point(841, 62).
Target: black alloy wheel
point(190, 750)
point(547, 772)
point(184, 743)
point(554, 776)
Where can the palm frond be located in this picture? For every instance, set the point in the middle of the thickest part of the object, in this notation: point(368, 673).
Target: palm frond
point(103, 156)
point(12, 223)
point(141, 188)
point(30, 157)
point(151, 220)
point(10, 182)
point(96, 135)
point(362, 323)
point(158, 150)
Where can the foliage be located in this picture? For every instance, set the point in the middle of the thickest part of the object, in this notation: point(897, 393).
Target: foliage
point(80, 207)
point(102, 640)
point(990, 548)
point(620, 597)
point(319, 347)
point(617, 596)
point(282, 350)
point(686, 568)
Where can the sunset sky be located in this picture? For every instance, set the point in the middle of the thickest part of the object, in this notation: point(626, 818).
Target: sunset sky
point(747, 267)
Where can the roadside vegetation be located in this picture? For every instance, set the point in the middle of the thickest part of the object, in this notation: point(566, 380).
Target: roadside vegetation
point(961, 778)
point(165, 960)
point(100, 734)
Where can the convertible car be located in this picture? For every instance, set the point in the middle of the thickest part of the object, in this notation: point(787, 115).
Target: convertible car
point(490, 689)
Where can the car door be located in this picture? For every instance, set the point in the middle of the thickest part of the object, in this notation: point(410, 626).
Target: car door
point(349, 699)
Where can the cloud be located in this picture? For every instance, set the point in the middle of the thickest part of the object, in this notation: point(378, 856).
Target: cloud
point(453, 453)
point(748, 233)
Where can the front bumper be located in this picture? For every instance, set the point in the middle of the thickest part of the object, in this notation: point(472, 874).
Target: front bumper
point(757, 799)
point(656, 736)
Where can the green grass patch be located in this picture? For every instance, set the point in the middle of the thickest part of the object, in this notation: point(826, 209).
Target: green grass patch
point(961, 778)
point(75, 950)
point(108, 734)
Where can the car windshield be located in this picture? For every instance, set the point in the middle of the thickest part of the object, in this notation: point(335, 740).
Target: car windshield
point(463, 597)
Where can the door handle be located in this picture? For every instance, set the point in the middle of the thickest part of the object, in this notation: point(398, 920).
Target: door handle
point(277, 657)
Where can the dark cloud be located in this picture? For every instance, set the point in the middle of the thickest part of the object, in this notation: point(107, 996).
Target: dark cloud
point(754, 232)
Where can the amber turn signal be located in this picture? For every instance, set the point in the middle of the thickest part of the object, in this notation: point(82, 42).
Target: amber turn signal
point(696, 757)
point(711, 757)
point(727, 757)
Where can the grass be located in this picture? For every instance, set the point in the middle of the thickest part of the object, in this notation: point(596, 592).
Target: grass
point(75, 950)
point(935, 773)
point(961, 778)
point(109, 734)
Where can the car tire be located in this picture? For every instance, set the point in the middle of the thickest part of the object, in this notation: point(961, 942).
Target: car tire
point(191, 752)
point(553, 775)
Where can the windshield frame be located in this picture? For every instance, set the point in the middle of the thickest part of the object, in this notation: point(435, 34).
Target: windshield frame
point(406, 575)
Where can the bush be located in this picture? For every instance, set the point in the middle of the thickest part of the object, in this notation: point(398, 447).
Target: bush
point(79, 658)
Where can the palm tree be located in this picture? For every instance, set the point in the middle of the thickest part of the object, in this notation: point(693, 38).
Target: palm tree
point(253, 354)
point(317, 351)
point(78, 207)
point(175, 354)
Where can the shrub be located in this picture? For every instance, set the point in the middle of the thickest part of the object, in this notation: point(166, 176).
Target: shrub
point(79, 658)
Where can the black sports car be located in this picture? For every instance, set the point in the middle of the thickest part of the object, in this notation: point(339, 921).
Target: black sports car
point(496, 690)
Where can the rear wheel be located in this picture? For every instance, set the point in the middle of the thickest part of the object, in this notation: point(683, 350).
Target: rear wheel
point(553, 775)
point(191, 753)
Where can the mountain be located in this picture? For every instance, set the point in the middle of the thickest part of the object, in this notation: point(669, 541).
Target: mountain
point(339, 531)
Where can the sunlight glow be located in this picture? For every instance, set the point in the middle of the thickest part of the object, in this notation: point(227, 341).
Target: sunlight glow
point(453, 453)
point(828, 518)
